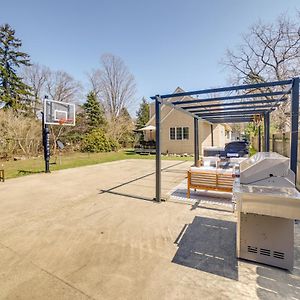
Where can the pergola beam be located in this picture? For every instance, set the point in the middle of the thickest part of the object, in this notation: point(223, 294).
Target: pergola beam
point(231, 120)
point(227, 117)
point(235, 97)
point(260, 101)
point(240, 116)
point(228, 113)
point(268, 106)
point(229, 88)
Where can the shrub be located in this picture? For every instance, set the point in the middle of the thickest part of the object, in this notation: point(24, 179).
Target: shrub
point(19, 135)
point(97, 141)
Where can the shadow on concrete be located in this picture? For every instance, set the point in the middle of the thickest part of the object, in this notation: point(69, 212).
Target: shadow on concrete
point(128, 195)
point(275, 283)
point(209, 245)
point(112, 190)
point(198, 205)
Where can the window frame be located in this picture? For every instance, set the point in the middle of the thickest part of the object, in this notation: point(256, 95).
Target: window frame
point(187, 133)
point(181, 133)
point(170, 136)
point(182, 129)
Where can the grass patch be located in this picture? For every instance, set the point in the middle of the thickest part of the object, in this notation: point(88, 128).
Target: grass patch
point(72, 160)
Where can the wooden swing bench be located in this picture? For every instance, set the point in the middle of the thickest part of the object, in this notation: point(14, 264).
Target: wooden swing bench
point(215, 179)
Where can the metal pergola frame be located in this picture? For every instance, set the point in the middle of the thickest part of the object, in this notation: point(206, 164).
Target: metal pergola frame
point(259, 100)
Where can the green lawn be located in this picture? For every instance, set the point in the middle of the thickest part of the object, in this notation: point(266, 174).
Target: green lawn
point(71, 160)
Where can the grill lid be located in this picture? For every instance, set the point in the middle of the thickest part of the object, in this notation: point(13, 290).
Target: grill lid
point(264, 165)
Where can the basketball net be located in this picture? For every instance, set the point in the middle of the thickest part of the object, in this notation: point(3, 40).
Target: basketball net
point(65, 121)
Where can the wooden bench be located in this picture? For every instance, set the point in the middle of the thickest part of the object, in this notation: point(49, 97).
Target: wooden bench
point(215, 179)
point(2, 175)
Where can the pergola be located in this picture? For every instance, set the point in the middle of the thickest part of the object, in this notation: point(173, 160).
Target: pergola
point(234, 104)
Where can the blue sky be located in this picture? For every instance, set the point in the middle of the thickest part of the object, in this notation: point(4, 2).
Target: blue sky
point(164, 43)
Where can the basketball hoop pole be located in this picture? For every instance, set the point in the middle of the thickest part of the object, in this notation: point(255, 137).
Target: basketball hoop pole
point(55, 113)
point(46, 143)
point(47, 148)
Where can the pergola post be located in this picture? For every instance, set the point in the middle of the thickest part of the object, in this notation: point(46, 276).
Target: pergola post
point(196, 141)
point(212, 134)
point(294, 126)
point(158, 149)
point(267, 131)
point(259, 138)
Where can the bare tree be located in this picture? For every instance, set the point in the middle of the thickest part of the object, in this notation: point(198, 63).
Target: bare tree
point(113, 84)
point(62, 87)
point(268, 52)
point(36, 76)
point(95, 82)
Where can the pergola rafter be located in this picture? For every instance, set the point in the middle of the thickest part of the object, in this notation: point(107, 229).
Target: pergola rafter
point(242, 103)
point(235, 97)
point(228, 113)
point(229, 88)
point(229, 119)
point(237, 103)
point(248, 107)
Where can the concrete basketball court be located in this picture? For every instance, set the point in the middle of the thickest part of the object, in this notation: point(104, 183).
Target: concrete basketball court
point(92, 233)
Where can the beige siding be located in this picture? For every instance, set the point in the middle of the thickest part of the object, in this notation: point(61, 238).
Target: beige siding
point(151, 109)
point(177, 119)
point(173, 118)
point(219, 135)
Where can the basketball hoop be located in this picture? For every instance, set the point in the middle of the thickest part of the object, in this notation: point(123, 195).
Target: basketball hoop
point(59, 113)
point(63, 121)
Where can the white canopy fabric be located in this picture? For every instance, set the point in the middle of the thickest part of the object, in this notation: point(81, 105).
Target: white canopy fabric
point(147, 128)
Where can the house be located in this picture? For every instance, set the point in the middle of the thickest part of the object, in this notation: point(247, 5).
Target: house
point(177, 130)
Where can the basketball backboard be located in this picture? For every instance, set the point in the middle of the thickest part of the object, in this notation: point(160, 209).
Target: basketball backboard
point(59, 113)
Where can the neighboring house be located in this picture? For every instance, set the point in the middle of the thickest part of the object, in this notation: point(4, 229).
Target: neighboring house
point(177, 130)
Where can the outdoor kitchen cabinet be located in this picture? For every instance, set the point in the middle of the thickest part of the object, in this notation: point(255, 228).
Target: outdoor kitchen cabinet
point(267, 204)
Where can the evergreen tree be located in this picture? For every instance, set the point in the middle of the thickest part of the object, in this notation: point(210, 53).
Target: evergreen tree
point(143, 114)
point(125, 127)
point(12, 88)
point(94, 112)
point(124, 114)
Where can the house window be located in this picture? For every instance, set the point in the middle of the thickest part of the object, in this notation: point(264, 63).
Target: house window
point(172, 133)
point(178, 133)
point(185, 133)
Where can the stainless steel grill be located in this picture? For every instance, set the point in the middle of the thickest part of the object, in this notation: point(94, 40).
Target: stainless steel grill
point(267, 203)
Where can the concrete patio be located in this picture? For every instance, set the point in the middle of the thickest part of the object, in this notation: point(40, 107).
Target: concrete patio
point(94, 233)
